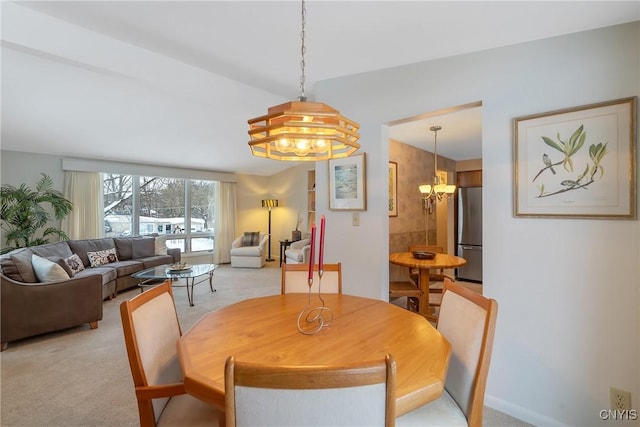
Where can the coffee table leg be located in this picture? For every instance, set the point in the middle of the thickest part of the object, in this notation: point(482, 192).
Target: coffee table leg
point(211, 281)
point(190, 293)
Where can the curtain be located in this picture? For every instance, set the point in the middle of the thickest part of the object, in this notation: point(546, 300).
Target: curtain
point(84, 190)
point(225, 222)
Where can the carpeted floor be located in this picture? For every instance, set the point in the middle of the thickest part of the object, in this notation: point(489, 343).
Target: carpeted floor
point(81, 377)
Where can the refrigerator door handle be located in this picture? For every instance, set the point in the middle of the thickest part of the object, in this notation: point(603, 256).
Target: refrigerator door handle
point(467, 247)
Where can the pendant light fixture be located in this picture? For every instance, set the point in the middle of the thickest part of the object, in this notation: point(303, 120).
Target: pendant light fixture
point(435, 191)
point(301, 130)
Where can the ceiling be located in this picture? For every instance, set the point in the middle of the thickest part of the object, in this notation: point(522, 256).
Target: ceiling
point(173, 82)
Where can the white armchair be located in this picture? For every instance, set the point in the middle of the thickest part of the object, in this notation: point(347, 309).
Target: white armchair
point(244, 255)
point(298, 252)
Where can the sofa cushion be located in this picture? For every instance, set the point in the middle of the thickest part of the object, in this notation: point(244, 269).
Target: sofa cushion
point(75, 264)
point(16, 265)
point(81, 247)
point(107, 274)
point(98, 258)
point(123, 247)
point(60, 249)
point(156, 260)
point(46, 270)
point(251, 238)
point(126, 268)
point(246, 251)
point(144, 247)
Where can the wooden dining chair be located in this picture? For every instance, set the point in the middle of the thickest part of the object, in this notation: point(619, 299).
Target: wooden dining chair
point(294, 278)
point(436, 277)
point(361, 394)
point(467, 320)
point(406, 288)
point(151, 329)
point(411, 288)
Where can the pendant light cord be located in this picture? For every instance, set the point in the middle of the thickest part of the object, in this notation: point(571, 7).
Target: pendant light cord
point(303, 50)
point(436, 178)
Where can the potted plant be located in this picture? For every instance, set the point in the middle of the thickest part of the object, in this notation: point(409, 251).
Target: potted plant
point(23, 214)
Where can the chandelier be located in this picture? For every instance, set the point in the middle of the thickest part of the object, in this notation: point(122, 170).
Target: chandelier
point(301, 130)
point(435, 191)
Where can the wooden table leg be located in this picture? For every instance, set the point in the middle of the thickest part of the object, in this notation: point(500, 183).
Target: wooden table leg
point(425, 308)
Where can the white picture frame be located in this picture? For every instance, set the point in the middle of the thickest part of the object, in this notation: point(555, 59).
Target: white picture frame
point(347, 183)
point(578, 162)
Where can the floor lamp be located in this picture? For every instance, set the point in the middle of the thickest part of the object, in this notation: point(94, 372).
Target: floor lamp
point(269, 203)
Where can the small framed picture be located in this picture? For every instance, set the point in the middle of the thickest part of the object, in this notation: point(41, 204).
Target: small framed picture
point(577, 163)
point(393, 189)
point(347, 184)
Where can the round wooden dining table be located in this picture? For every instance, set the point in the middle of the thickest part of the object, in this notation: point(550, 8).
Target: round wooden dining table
point(407, 259)
point(264, 330)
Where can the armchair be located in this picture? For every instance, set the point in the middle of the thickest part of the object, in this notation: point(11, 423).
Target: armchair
point(298, 252)
point(253, 256)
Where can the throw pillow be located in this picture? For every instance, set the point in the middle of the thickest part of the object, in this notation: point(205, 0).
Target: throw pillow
point(161, 245)
point(251, 238)
point(75, 264)
point(99, 258)
point(47, 271)
point(62, 263)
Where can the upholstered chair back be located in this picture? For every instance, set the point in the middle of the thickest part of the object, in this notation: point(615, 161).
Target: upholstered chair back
point(156, 332)
point(295, 279)
point(270, 395)
point(467, 320)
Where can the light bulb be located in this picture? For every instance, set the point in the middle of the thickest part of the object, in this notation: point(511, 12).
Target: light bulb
point(302, 147)
point(320, 145)
point(283, 144)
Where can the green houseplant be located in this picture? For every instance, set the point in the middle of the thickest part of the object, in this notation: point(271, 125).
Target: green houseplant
point(23, 214)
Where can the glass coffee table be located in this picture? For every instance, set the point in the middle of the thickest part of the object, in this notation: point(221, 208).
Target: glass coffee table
point(156, 275)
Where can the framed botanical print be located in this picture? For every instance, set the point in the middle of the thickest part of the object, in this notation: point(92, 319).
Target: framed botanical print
point(347, 183)
point(577, 163)
point(393, 189)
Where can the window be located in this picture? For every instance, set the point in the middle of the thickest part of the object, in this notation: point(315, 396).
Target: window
point(143, 205)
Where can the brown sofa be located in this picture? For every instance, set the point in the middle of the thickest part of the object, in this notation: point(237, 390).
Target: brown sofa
point(30, 307)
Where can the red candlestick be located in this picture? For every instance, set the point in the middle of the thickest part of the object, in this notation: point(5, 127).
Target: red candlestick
point(321, 254)
point(312, 254)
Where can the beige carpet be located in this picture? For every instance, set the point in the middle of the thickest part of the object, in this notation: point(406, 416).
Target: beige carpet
point(81, 377)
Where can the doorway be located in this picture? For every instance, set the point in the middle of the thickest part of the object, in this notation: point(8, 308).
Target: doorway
point(411, 147)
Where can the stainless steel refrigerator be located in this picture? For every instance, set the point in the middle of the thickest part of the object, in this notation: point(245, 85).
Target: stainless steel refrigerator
point(470, 233)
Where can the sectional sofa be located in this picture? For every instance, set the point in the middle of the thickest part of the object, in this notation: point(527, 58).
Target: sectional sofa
point(60, 285)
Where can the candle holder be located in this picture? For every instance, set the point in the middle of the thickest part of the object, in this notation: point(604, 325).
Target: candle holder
point(311, 320)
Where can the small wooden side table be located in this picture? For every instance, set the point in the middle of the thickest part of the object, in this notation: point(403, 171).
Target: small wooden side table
point(284, 244)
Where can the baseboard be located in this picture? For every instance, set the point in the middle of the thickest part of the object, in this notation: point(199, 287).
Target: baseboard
point(521, 413)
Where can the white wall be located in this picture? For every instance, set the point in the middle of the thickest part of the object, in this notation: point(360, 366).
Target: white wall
point(289, 187)
point(568, 323)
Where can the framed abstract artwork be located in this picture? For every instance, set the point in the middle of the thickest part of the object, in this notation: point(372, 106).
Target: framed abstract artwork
point(393, 189)
point(577, 163)
point(347, 183)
